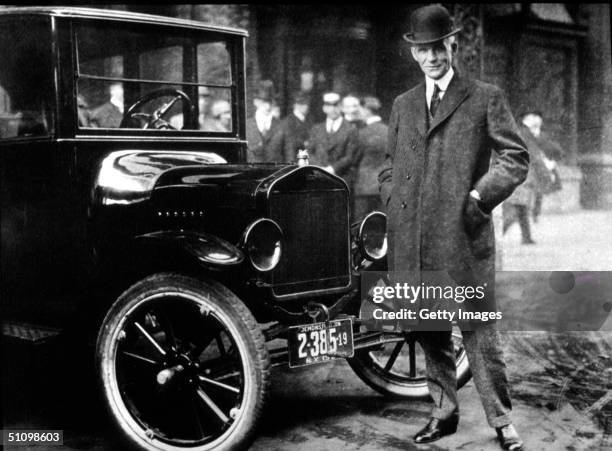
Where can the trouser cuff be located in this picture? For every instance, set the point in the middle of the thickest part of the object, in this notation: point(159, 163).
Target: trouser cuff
point(501, 421)
point(442, 414)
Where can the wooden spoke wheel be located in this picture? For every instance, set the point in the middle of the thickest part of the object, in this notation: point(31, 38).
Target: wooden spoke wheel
point(182, 365)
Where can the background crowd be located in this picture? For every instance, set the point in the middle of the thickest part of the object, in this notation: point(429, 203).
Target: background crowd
point(350, 142)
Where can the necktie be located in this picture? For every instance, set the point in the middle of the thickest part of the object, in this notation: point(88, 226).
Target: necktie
point(435, 101)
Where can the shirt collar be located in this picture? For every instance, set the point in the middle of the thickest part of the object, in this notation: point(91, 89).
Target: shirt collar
point(299, 115)
point(335, 124)
point(442, 83)
point(373, 119)
point(264, 121)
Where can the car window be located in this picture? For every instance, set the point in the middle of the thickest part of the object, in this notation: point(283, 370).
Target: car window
point(153, 79)
point(25, 77)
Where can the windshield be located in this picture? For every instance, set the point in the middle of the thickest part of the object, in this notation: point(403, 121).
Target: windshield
point(153, 78)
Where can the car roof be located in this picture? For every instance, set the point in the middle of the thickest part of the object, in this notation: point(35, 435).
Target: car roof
point(118, 15)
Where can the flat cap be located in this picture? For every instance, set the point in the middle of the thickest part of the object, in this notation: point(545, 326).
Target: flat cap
point(331, 98)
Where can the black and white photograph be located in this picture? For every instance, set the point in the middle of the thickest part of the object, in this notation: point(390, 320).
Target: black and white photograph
point(309, 227)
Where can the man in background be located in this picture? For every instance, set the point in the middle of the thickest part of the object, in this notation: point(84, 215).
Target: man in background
point(110, 113)
point(351, 110)
point(220, 119)
point(529, 194)
point(262, 128)
point(334, 143)
point(549, 179)
point(294, 128)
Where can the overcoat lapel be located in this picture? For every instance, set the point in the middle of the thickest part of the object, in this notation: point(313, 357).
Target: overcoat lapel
point(420, 110)
point(458, 91)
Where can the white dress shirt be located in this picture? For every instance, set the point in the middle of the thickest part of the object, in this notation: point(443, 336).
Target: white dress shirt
point(332, 126)
point(442, 85)
point(299, 115)
point(264, 121)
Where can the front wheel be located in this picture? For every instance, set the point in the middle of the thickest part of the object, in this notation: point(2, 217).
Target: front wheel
point(398, 369)
point(182, 365)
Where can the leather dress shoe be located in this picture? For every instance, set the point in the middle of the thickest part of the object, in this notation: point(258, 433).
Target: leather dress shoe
point(509, 438)
point(437, 428)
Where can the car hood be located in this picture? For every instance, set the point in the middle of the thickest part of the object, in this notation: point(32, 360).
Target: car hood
point(131, 176)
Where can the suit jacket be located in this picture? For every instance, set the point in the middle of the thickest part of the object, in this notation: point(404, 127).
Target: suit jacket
point(340, 150)
point(263, 148)
point(433, 222)
point(373, 145)
point(106, 115)
point(293, 134)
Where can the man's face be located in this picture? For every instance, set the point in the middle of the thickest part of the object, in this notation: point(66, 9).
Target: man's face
point(302, 108)
point(351, 108)
point(534, 123)
point(263, 105)
point(222, 111)
point(116, 92)
point(332, 111)
point(434, 59)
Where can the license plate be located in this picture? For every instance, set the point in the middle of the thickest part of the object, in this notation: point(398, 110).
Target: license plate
point(320, 342)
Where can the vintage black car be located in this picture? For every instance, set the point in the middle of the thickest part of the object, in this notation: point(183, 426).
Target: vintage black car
point(129, 214)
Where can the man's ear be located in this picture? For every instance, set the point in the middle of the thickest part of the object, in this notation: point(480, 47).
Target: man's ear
point(413, 51)
point(455, 47)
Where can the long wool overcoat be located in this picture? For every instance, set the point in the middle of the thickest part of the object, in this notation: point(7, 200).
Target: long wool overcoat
point(433, 222)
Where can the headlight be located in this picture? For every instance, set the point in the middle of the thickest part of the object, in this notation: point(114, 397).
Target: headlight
point(373, 236)
point(262, 243)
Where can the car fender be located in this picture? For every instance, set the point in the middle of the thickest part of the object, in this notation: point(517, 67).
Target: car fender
point(209, 250)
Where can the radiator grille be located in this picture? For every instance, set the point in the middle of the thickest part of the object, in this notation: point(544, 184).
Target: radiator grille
point(315, 248)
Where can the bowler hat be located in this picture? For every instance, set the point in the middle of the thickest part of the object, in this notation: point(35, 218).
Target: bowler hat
point(301, 98)
point(265, 91)
point(430, 24)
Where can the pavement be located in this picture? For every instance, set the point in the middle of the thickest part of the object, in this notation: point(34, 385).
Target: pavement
point(577, 241)
point(561, 383)
point(557, 379)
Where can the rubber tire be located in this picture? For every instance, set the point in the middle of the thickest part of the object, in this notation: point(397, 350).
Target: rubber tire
point(389, 387)
point(249, 340)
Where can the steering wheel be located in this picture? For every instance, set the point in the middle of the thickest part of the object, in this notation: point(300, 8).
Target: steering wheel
point(156, 118)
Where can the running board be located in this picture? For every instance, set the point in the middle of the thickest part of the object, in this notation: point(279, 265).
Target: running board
point(30, 333)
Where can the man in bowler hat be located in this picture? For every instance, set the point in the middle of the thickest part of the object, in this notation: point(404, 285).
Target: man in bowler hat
point(440, 186)
point(262, 128)
point(293, 130)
